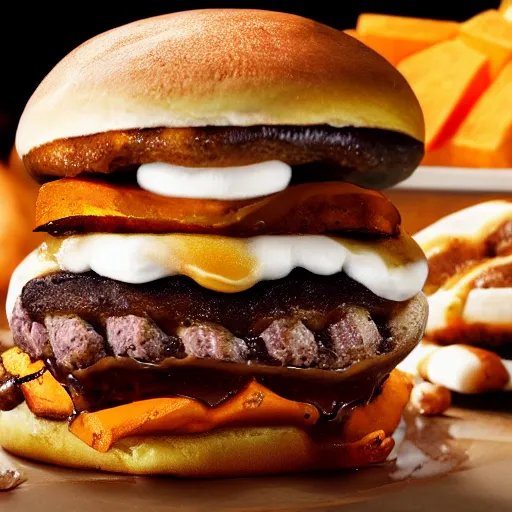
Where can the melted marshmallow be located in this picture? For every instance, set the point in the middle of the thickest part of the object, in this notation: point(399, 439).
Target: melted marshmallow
point(227, 264)
point(225, 183)
point(455, 367)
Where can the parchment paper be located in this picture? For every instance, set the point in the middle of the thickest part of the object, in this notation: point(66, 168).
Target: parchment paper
point(480, 437)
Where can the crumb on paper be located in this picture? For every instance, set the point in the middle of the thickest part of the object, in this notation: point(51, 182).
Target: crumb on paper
point(430, 399)
point(10, 475)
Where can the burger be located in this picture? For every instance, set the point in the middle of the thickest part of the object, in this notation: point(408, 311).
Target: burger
point(223, 290)
point(468, 339)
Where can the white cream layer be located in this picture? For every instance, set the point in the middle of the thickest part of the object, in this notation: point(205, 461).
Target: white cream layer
point(231, 265)
point(224, 183)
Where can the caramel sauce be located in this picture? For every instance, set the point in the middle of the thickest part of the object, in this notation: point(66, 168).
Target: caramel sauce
point(396, 251)
point(48, 250)
point(215, 262)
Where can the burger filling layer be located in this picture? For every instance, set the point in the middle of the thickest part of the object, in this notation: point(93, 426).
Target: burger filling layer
point(392, 268)
point(190, 341)
point(182, 333)
point(72, 205)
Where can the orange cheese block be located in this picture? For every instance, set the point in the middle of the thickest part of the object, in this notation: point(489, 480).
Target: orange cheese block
point(485, 137)
point(490, 33)
point(397, 37)
point(447, 78)
point(45, 397)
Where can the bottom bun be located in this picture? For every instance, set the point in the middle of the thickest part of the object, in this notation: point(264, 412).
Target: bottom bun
point(240, 451)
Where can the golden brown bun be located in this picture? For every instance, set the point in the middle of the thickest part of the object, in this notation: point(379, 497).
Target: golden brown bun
point(218, 67)
point(229, 452)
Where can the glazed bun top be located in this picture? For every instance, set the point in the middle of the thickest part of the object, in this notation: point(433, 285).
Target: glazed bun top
point(218, 67)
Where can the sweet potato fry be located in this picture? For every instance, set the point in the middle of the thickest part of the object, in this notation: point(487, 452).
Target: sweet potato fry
point(397, 37)
point(45, 397)
point(352, 32)
point(383, 412)
point(256, 405)
point(371, 449)
point(490, 33)
point(447, 78)
point(485, 137)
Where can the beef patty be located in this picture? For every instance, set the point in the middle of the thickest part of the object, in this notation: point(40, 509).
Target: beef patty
point(372, 158)
point(302, 320)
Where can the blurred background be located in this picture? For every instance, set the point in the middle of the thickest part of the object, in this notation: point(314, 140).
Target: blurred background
point(36, 36)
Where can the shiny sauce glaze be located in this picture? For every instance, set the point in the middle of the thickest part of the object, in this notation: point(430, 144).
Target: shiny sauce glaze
point(116, 381)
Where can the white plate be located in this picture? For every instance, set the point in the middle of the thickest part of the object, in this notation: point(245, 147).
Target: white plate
point(459, 179)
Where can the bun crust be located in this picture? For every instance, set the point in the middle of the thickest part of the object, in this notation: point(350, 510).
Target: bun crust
point(222, 67)
point(230, 452)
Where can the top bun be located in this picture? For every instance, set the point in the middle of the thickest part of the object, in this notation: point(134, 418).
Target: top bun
point(221, 67)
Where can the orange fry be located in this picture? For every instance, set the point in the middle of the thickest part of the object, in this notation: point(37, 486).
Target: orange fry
point(256, 405)
point(383, 412)
point(397, 37)
point(45, 397)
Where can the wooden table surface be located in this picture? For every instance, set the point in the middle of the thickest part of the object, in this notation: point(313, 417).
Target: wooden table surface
point(419, 208)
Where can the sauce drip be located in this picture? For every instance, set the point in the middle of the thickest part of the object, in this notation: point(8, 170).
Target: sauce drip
point(115, 381)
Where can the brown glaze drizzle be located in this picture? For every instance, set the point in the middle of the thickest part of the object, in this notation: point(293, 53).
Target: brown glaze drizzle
point(115, 381)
